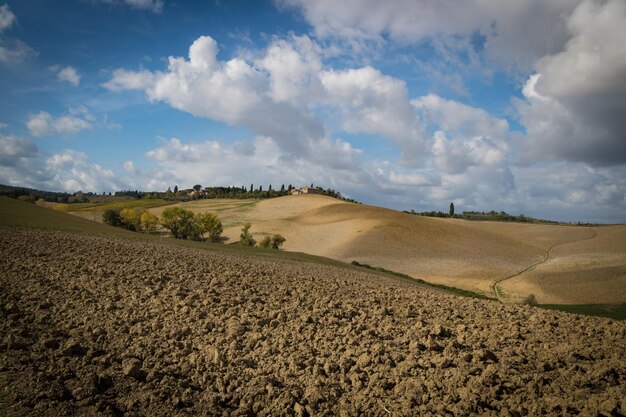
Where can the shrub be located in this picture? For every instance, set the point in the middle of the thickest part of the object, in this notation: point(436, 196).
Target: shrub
point(274, 242)
point(245, 238)
point(266, 242)
point(277, 241)
point(530, 300)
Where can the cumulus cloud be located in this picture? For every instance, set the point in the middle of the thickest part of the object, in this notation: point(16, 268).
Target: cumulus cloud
point(465, 136)
point(44, 124)
point(22, 163)
point(232, 91)
point(155, 6)
point(70, 75)
point(72, 171)
point(77, 119)
point(573, 50)
point(15, 149)
point(292, 67)
point(376, 104)
point(573, 108)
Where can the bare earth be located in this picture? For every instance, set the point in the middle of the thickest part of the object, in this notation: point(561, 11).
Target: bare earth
point(575, 265)
point(107, 326)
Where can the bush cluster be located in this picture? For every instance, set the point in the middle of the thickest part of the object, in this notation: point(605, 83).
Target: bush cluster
point(273, 242)
point(182, 224)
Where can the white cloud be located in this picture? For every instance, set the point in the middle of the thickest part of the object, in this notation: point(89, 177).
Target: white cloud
point(70, 75)
point(453, 116)
point(12, 50)
point(43, 124)
point(7, 18)
point(233, 92)
point(72, 171)
point(465, 136)
point(40, 124)
point(155, 6)
point(516, 33)
point(456, 156)
point(77, 119)
point(376, 104)
point(13, 149)
point(572, 191)
point(449, 151)
point(292, 67)
point(15, 51)
point(129, 80)
point(213, 162)
point(129, 166)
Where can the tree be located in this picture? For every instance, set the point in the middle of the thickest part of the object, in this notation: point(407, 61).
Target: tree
point(197, 187)
point(251, 187)
point(179, 221)
point(208, 223)
point(149, 222)
point(245, 238)
point(112, 217)
point(451, 212)
point(175, 189)
point(131, 218)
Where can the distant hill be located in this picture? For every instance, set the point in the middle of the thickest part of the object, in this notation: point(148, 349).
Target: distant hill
point(14, 192)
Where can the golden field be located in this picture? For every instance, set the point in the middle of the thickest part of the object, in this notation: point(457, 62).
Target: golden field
point(557, 264)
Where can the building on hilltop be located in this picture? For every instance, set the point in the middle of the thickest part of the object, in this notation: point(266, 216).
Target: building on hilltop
point(305, 190)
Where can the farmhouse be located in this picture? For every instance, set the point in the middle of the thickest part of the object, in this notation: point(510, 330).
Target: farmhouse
point(305, 190)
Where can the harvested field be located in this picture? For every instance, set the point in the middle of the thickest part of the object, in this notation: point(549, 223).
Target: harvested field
point(453, 252)
point(565, 277)
point(102, 325)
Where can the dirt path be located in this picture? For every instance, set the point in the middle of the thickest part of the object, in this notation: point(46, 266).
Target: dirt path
point(547, 257)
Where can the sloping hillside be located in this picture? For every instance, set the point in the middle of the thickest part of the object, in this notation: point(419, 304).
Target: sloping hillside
point(573, 266)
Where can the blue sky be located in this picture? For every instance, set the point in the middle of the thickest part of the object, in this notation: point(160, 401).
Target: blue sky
point(515, 106)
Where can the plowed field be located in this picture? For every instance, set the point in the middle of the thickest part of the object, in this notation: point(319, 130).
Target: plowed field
point(95, 325)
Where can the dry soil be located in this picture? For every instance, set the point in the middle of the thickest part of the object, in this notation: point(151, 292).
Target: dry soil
point(106, 326)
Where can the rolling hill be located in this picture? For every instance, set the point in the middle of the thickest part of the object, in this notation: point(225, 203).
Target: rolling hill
point(557, 264)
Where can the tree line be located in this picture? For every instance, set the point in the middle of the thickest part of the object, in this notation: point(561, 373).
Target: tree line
point(492, 215)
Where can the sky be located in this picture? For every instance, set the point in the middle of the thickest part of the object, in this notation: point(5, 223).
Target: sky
point(516, 106)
